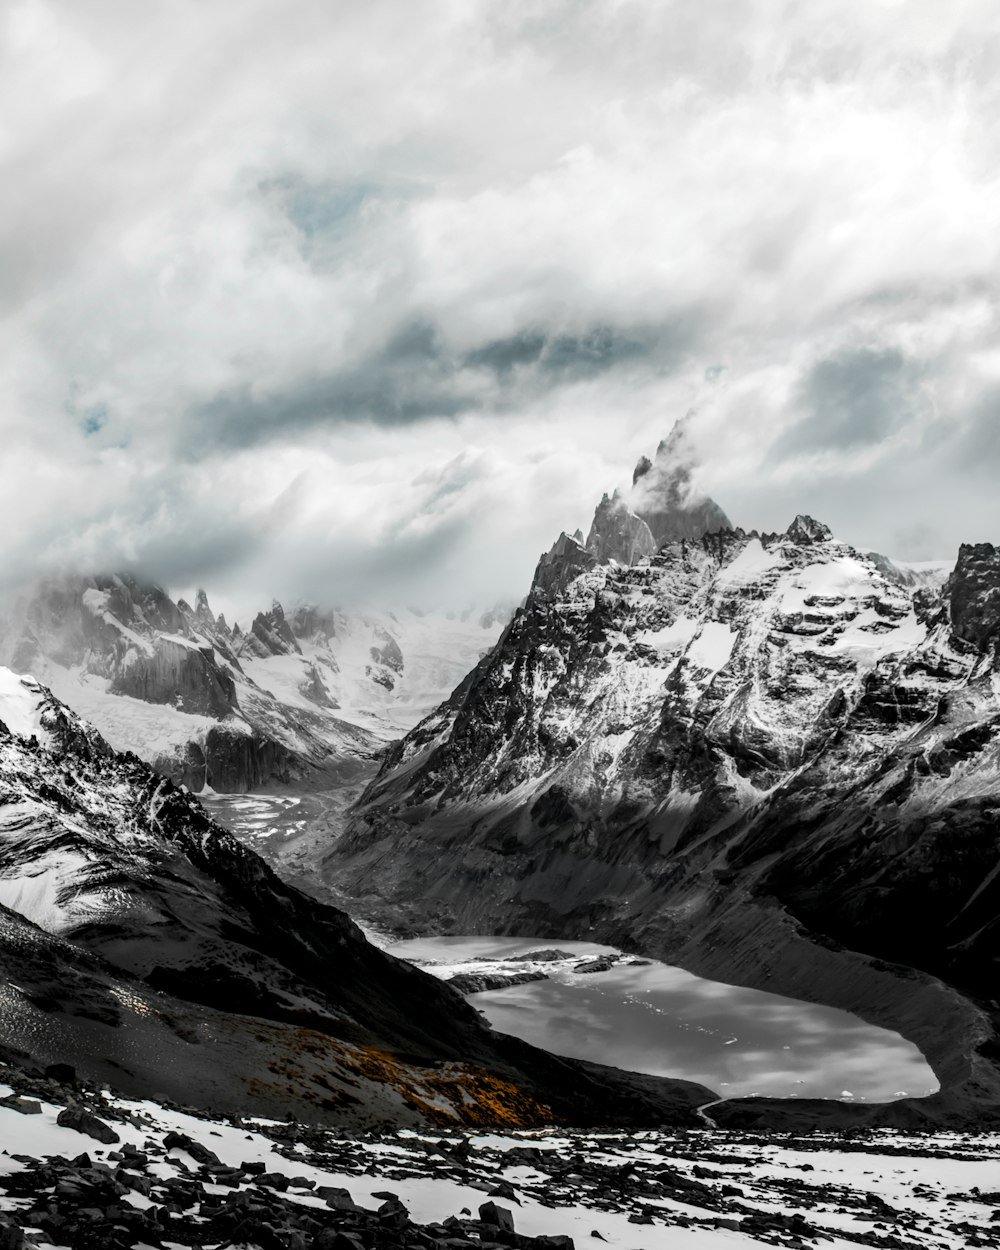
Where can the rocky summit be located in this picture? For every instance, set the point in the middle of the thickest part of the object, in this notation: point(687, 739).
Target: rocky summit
point(760, 756)
point(663, 505)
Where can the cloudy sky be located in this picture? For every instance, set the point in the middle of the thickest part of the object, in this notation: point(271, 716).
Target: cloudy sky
point(362, 300)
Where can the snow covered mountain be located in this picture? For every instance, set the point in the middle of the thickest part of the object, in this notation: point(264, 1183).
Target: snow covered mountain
point(382, 671)
point(215, 706)
point(147, 947)
point(761, 756)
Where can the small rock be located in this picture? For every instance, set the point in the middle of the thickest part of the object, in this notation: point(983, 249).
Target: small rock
point(23, 1106)
point(76, 1118)
point(499, 1217)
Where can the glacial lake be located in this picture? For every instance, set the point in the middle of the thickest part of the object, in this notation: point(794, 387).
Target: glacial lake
point(667, 1022)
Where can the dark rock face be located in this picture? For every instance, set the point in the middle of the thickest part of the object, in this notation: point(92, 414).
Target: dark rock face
point(758, 756)
point(181, 673)
point(566, 560)
point(271, 634)
point(618, 534)
point(805, 530)
point(974, 595)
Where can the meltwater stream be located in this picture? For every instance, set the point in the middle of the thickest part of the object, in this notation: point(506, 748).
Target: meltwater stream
point(661, 1020)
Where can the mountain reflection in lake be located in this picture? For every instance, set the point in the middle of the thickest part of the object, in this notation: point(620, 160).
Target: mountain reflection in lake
point(667, 1022)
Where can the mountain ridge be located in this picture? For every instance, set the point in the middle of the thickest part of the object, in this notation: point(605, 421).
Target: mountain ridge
point(638, 758)
point(146, 946)
point(288, 700)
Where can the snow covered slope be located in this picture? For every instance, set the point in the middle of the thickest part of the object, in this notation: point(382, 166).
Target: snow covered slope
point(741, 754)
point(165, 681)
point(381, 671)
point(145, 945)
point(287, 700)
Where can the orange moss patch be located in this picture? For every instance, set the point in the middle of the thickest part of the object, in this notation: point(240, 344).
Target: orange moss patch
point(313, 1065)
point(473, 1096)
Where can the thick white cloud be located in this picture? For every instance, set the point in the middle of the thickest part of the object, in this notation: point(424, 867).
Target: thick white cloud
point(373, 298)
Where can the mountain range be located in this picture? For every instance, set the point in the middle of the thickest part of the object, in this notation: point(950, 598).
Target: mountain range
point(770, 758)
point(287, 700)
point(146, 947)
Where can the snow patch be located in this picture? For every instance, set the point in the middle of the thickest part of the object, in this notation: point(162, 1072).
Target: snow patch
point(44, 890)
point(749, 566)
point(713, 646)
point(20, 704)
point(672, 637)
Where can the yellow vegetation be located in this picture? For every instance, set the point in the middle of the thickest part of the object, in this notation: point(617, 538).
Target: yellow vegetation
point(448, 1096)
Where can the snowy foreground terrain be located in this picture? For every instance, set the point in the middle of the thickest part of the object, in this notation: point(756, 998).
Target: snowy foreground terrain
point(138, 1174)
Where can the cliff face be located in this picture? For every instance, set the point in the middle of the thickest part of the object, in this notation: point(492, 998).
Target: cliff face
point(747, 752)
point(618, 534)
point(181, 672)
point(666, 496)
point(973, 595)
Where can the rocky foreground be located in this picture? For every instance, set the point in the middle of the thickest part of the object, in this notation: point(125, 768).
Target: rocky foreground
point(83, 1169)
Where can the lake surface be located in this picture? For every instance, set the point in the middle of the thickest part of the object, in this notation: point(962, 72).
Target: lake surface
point(668, 1022)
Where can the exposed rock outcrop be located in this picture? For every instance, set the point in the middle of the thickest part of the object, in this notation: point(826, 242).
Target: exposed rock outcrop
point(566, 560)
point(271, 634)
point(179, 671)
point(973, 593)
point(618, 534)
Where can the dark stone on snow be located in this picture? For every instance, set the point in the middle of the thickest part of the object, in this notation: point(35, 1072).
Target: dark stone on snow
point(81, 1120)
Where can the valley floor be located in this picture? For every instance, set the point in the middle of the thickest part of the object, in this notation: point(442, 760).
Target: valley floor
point(163, 1177)
point(294, 829)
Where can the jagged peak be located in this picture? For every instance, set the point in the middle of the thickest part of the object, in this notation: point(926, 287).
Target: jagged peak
point(565, 559)
point(565, 542)
point(642, 467)
point(665, 494)
point(201, 609)
point(806, 529)
point(616, 533)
